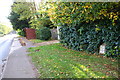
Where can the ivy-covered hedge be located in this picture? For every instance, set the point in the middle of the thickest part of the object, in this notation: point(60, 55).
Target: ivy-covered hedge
point(69, 37)
point(89, 37)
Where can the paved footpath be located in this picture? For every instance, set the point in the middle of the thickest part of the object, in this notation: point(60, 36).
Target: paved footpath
point(19, 65)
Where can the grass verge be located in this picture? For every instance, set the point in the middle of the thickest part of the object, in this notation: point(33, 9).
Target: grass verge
point(36, 40)
point(55, 61)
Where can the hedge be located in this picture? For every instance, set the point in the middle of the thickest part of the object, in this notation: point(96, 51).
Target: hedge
point(89, 37)
point(44, 33)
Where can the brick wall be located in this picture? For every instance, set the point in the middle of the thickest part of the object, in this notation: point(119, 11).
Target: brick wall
point(30, 33)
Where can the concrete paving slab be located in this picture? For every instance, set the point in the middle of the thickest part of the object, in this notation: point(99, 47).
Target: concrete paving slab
point(19, 65)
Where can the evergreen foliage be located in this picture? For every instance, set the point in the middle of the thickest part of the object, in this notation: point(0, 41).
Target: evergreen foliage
point(45, 33)
point(91, 37)
point(17, 24)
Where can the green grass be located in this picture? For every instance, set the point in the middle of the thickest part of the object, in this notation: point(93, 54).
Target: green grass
point(55, 61)
point(36, 40)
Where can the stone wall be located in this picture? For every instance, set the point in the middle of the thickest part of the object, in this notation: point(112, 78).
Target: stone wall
point(54, 34)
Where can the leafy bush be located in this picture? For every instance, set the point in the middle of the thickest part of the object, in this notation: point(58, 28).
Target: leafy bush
point(45, 33)
point(91, 37)
point(71, 13)
point(1, 32)
point(21, 33)
point(39, 23)
point(37, 33)
point(5, 29)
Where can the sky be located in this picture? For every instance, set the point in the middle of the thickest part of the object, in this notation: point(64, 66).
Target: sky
point(5, 8)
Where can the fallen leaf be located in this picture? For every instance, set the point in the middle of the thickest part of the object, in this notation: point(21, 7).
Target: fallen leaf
point(61, 72)
point(113, 60)
point(105, 64)
point(37, 50)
